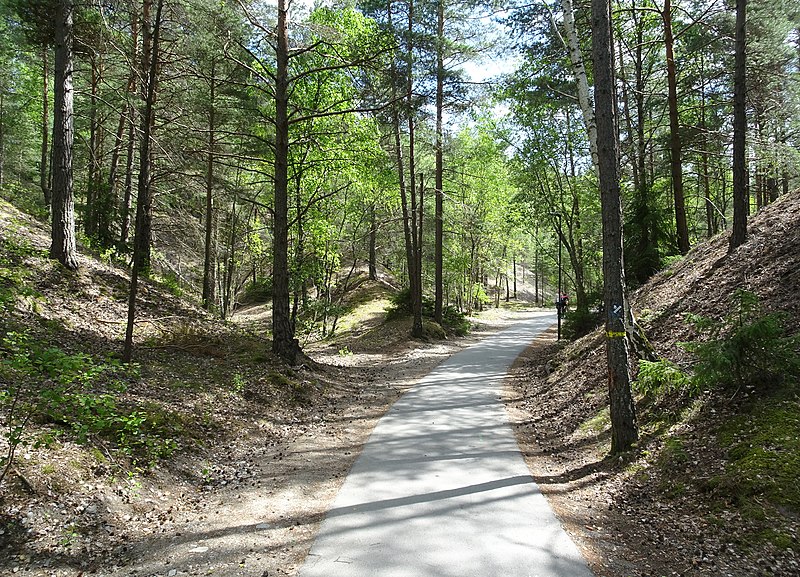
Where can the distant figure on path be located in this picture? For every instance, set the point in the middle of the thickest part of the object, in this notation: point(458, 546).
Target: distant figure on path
point(562, 303)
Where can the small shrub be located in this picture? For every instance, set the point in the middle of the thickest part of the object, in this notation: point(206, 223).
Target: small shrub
point(746, 348)
point(259, 291)
point(669, 261)
point(661, 377)
point(172, 283)
point(238, 383)
point(110, 256)
point(453, 321)
point(578, 323)
point(401, 305)
point(432, 330)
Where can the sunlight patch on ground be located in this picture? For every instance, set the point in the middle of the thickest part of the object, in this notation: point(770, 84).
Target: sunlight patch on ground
point(364, 315)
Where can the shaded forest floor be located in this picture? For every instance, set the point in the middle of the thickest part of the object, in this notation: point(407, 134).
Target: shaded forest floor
point(241, 456)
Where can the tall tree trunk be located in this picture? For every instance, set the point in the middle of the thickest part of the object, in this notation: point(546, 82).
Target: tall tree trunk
point(127, 195)
point(623, 413)
point(144, 199)
point(210, 257)
point(420, 233)
point(373, 239)
point(626, 111)
point(785, 182)
point(44, 162)
point(91, 209)
point(283, 342)
point(515, 276)
point(2, 137)
point(536, 268)
point(771, 185)
point(230, 265)
point(299, 248)
point(63, 246)
point(105, 201)
point(401, 176)
point(758, 164)
point(711, 227)
point(110, 191)
point(472, 276)
point(645, 250)
point(415, 272)
point(141, 248)
point(130, 119)
point(740, 184)
point(408, 188)
point(574, 241)
point(676, 163)
point(646, 176)
point(705, 178)
point(439, 176)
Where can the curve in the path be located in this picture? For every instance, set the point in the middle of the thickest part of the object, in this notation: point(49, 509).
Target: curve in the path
point(441, 488)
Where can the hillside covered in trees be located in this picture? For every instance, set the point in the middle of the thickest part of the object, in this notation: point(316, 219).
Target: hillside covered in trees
point(206, 203)
point(240, 147)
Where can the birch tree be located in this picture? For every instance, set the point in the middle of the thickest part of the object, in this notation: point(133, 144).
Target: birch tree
point(581, 79)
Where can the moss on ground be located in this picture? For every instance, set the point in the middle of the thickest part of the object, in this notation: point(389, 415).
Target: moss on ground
point(763, 465)
point(763, 448)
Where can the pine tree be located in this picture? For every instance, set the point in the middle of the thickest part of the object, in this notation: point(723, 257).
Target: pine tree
point(623, 413)
point(63, 246)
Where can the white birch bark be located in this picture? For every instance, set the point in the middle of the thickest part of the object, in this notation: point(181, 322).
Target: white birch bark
point(579, 71)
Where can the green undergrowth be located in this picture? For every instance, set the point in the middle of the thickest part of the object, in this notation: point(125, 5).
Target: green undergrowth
point(14, 274)
point(453, 321)
point(755, 451)
point(597, 423)
point(50, 393)
point(55, 390)
point(58, 394)
point(747, 350)
point(745, 370)
point(21, 197)
point(363, 304)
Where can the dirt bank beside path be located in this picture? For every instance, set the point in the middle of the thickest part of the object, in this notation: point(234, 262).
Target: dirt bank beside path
point(626, 524)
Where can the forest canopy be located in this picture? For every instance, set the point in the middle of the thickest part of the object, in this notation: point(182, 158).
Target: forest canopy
point(261, 150)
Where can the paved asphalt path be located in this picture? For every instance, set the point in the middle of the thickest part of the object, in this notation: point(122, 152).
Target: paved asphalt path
point(441, 488)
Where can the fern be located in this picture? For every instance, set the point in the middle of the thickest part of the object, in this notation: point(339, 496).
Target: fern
point(661, 377)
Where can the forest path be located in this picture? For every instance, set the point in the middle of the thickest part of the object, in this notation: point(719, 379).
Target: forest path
point(441, 488)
